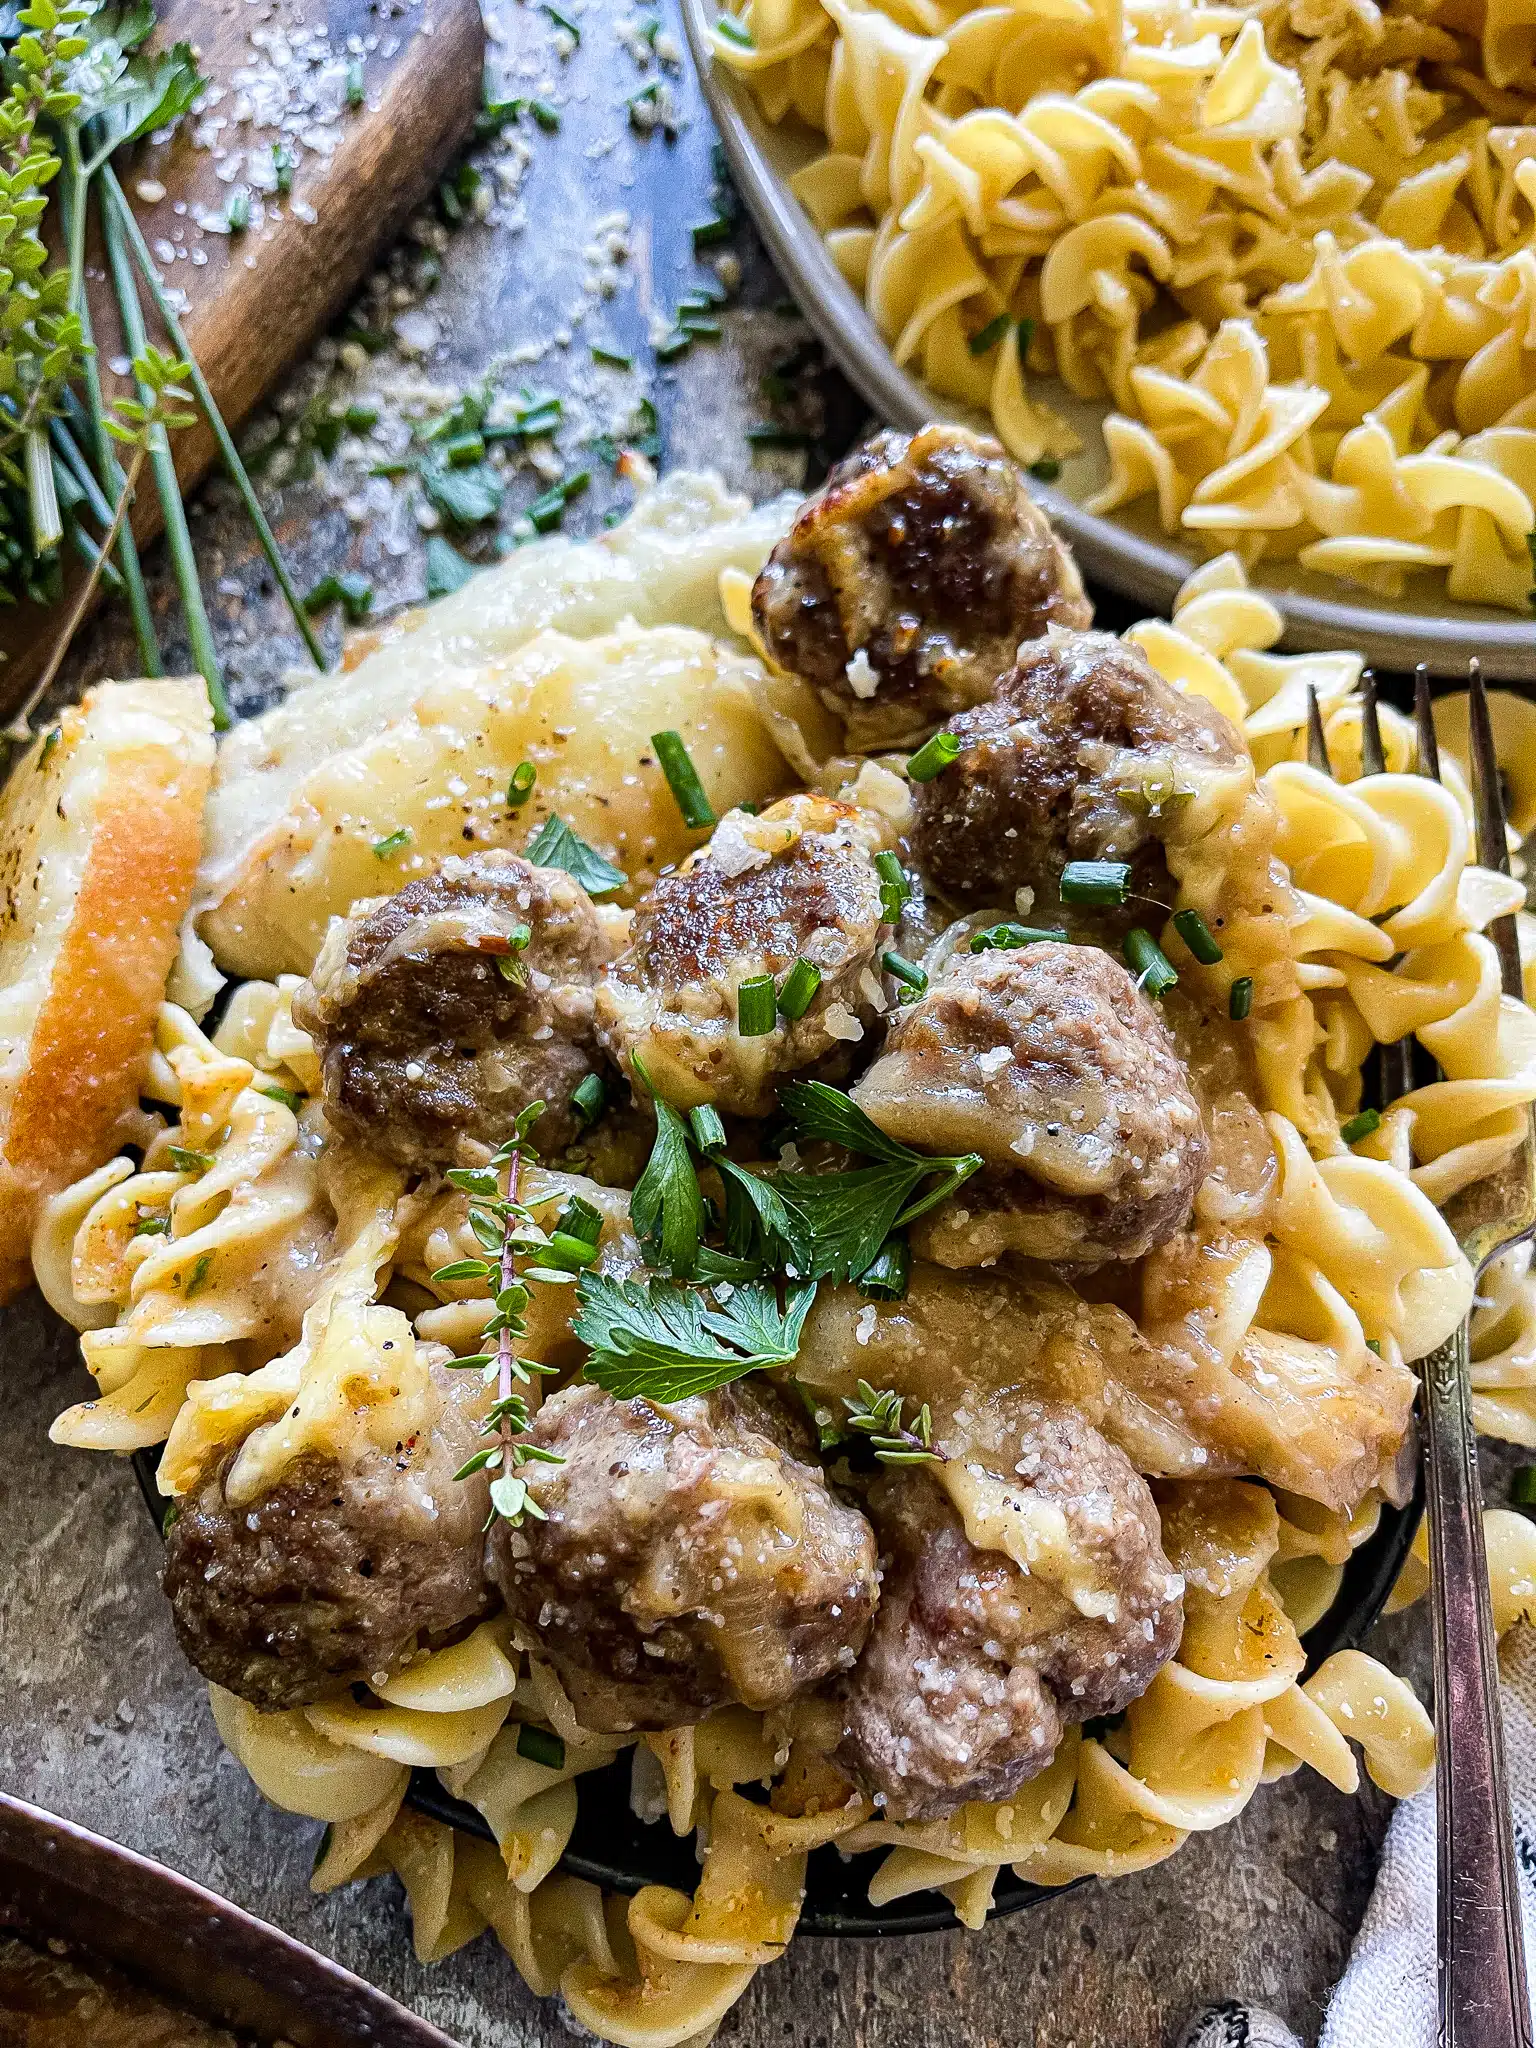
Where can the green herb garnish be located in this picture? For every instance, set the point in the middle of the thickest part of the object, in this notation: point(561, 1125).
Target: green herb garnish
point(589, 1098)
point(1004, 938)
point(1196, 934)
point(520, 787)
point(352, 591)
point(288, 1097)
point(666, 1342)
point(1360, 1126)
point(555, 845)
point(1153, 969)
point(538, 1745)
point(990, 335)
point(878, 1416)
point(756, 1006)
point(914, 982)
point(1240, 1000)
point(933, 757)
point(392, 842)
point(683, 780)
point(185, 1160)
point(799, 990)
point(447, 570)
point(1095, 881)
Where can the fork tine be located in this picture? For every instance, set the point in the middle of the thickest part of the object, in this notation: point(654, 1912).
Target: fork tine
point(1488, 808)
point(1373, 760)
point(1317, 744)
point(1424, 718)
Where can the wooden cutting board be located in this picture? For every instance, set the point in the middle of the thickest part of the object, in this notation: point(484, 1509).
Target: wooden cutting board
point(256, 301)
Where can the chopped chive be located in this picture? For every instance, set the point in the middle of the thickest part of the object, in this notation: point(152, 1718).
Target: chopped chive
point(708, 1131)
point(1196, 934)
point(1095, 881)
point(539, 1746)
point(282, 167)
point(650, 28)
point(894, 886)
point(799, 990)
point(990, 335)
point(520, 788)
point(579, 1219)
point(1154, 970)
point(237, 215)
point(1360, 1126)
point(703, 297)
point(1003, 938)
point(1240, 1002)
point(197, 1276)
point(698, 326)
point(756, 1006)
point(547, 116)
point(885, 1278)
point(589, 1097)
point(1522, 1486)
point(548, 510)
point(464, 449)
point(735, 31)
point(392, 842)
point(352, 591)
point(355, 94)
point(447, 569)
point(1047, 469)
point(1026, 336)
point(185, 1160)
point(933, 757)
point(614, 359)
point(911, 977)
point(683, 780)
point(676, 344)
point(1373, 1344)
point(357, 419)
point(151, 1226)
point(709, 233)
point(288, 1097)
point(562, 21)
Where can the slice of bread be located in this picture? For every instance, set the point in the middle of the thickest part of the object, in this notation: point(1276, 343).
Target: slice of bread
point(101, 831)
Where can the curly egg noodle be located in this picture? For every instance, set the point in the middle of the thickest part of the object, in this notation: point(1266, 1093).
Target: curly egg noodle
point(256, 1288)
point(1292, 243)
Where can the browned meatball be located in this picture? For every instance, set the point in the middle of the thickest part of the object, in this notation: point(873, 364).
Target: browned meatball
point(974, 1667)
point(799, 882)
point(334, 1575)
point(436, 1022)
point(1085, 753)
point(692, 1556)
point(906, 583)
point(1049, 1062)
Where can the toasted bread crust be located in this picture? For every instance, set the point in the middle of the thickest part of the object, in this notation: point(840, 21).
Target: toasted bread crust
point(89, 1044)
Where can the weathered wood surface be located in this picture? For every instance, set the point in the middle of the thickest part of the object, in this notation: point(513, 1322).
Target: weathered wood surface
point(100, 1719)
point(254, 302)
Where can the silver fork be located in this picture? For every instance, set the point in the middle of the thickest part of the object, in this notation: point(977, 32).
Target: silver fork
point(1484, 1996)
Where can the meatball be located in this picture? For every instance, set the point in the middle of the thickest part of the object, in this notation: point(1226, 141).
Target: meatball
point(1084, 753)
point(692, 1556)
point(334, 1575)
point(799, 882)
point(905, 585)
point(440, 1013)
point(974, 1667)
point(1049, 1062)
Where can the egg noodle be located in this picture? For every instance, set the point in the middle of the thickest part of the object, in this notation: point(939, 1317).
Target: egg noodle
point(1292, 244)
point(238, 1288)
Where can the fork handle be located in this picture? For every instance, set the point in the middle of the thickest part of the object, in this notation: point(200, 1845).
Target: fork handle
point(1484, 1998)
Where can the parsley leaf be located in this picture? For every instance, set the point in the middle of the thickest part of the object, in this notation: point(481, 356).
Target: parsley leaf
point(666, 1208)
point(555, 845)
point(665, 1342)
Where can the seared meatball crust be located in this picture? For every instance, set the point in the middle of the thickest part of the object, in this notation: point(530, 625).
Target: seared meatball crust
point(906, 583)
point(692, 1556)
point(1084, 753)
point(797, 882)
point(1051, 1063)
point(974, 1669)
point(335, 1575)
point(435, 1023)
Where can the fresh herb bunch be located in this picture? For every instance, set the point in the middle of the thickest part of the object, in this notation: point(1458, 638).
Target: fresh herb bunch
point(507, 1229)
point(714, 1312)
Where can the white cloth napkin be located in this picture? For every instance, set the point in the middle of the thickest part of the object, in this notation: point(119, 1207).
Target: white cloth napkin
point(1387, 1996)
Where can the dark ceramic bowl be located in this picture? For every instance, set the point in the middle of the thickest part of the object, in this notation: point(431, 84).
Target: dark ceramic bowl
point(613, 1848)
point(60, 1882)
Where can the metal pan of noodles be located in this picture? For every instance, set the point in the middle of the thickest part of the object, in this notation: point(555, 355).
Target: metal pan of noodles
point(612, 1847)
point(105, 1944)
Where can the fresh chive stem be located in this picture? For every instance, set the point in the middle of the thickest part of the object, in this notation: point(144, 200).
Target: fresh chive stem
point(1196, 934)
point(539, 1746)
point(1240, 1001)
point(228, 452)
point(799, 990)
point(708, 1130)
point(683, 780)
point(589, 1097)
point(895, 889)
point(989, 336)
point(1154, 970)
point(520, 788)
point(756, 1005)
point(1095, 881)
point(933, 757)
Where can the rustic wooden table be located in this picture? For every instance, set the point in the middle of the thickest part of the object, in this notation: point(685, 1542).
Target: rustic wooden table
point(587, 238)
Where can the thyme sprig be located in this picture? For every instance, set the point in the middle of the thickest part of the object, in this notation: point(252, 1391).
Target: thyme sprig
point(878, 1416)
point(506, 1228)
